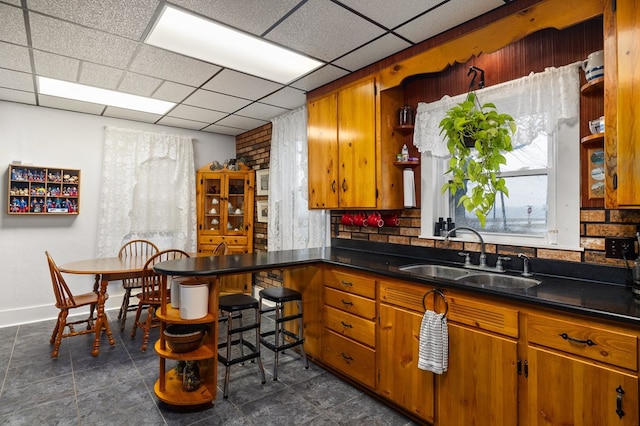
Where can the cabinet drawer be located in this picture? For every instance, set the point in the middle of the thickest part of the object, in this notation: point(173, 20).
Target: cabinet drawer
point(207, 249)
point(408, 296)
point(355, 284)
point(498, 319)
point(351, 358)
point(351, 326)
point(351, 303)
point(584, 339)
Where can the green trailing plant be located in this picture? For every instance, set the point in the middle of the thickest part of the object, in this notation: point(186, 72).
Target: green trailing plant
point(470, 125)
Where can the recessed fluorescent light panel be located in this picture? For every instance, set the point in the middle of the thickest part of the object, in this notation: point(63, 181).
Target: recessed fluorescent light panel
point(81, 92)
point(206, 40)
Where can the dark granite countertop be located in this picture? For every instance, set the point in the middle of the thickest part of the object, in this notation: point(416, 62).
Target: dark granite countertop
point(582, 295)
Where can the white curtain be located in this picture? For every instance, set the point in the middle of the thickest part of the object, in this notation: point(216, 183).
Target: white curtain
point(537, 102)
point(291, 224)
point(148, 191)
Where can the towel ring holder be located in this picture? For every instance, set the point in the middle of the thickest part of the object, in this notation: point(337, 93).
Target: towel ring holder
point(441, 294)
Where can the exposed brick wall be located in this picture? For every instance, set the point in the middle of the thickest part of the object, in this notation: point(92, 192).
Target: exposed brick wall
point(255, 147)
point(595, 225)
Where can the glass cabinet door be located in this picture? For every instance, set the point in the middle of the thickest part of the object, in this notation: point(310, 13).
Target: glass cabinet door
point(214, 205)
point(236, 206)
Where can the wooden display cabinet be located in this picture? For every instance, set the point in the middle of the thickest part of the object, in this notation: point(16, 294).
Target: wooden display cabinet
point(35, 190)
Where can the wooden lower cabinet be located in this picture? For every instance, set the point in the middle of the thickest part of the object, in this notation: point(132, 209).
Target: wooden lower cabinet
point(480, 385)
point(400, 380)
point(509, 363)
point(565, 390)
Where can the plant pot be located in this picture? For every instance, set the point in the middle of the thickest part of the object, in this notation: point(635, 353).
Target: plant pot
point(469, 142)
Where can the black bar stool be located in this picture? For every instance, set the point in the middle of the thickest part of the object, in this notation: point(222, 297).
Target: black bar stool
point(279, 343)
point(232, 306)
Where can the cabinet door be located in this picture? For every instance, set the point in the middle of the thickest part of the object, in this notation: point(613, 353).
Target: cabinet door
point(628, 98)
point(568, 391)
point(480, 386)
point(322, 128)
point(357, 147)
point(400, 380)
point(212, 207)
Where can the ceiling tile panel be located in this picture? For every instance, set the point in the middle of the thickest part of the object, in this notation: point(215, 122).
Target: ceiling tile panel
point(181, 122)
point(129, 114)
point(241, 85)
point(139, 84)
point(79, 42)
point(391, 15)
point(216, 101)
point(198, 114)
point(444, 17)
point(16, 80)
point(122, 17)
point(12, 29)
point(14, 57)
point(17, 96)
point(70, 105)
point(241, 122)
point(224, 130)
point(320, 77)
point(261, 111)
point(174, 92)
point(372, 52)
point(171, 66)
point(56, 66)
point(287, 97)
point(324, 30)
point(252, 16)
point(99, 75)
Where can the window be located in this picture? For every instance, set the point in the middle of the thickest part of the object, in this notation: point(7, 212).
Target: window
point(542, 172)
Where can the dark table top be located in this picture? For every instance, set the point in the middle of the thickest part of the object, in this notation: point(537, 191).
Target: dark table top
point(592, 298)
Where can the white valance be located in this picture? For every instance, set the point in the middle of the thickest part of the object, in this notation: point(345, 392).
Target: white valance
point(530, 100)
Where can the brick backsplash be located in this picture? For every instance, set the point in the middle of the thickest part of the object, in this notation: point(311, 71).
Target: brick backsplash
point(595, 223)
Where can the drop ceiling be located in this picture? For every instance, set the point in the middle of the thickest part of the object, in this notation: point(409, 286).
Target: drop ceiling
point(101, 43)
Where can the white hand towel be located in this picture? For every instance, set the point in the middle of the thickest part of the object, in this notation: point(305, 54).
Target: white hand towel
point(409, 188)
point(433, 353)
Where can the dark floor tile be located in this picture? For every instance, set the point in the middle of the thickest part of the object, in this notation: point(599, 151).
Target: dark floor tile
point(28, 370)
point(14, 399)
point(61, 412)
point(112, 402)
point(326, 391)
point(361, 410)
point(286, 407)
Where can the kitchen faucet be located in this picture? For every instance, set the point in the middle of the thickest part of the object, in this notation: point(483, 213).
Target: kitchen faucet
point(483, 255)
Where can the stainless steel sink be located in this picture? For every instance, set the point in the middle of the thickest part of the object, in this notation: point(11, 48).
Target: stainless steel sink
point(436, 271)
point(487, 280)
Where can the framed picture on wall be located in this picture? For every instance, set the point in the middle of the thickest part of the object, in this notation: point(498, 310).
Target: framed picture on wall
point(262, 209)
point(262, 182)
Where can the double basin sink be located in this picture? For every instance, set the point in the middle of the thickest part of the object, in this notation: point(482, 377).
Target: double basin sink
point(475, 278)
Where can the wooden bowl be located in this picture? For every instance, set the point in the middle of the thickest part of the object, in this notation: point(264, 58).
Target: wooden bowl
point(183, 337)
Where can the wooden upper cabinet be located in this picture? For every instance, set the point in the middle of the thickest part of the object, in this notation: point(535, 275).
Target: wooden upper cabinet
point(342, 149)
point(622, 97)
point(322, 128)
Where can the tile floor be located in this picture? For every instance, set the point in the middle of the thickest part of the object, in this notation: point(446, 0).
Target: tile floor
point(116, 388)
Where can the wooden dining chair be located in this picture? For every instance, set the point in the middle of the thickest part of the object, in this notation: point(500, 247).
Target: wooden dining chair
point(150, 297)
point(221, 248)
point(142, 248)
point(65, 302)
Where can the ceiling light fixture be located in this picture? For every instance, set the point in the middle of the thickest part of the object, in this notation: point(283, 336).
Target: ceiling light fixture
point(199, 38)
point(81, 92)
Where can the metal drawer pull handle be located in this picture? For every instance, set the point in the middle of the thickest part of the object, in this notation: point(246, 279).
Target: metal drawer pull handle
point(346, 302)
point(620, 392)
point(333, 186)
point(344, 324)
point(587, 342)
point(347, 283)
point(346, 357)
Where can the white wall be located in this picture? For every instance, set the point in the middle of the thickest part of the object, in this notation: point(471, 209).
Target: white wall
point(55, 138)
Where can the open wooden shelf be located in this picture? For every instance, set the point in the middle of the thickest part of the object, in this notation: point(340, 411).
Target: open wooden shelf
point(598, 137)
point(594, 86)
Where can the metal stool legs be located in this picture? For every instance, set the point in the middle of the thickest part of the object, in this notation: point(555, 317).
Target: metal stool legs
point(280, 334)
point(230, 306)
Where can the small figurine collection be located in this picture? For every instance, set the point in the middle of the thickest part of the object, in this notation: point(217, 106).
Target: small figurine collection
point(42, 190)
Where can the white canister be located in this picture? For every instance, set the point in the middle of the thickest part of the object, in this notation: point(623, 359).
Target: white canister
point(194, 300)
point(175, 292)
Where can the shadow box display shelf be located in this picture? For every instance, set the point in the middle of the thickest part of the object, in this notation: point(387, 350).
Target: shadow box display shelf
point(35, 190)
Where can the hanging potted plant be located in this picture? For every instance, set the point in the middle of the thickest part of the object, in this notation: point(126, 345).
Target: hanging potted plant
point(470, 125)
